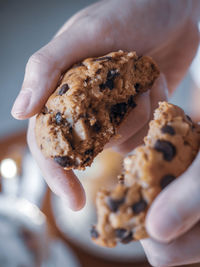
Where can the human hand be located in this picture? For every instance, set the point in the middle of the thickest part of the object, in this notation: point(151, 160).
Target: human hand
point(173, 222)
point(97, 30)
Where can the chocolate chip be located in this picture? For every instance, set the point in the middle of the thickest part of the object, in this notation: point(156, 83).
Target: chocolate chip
point(80, 64)
point(102, 58)
point(94, 233)
point(64, 88)
point(98, 71)
point(64, 161)
point(108, 84)
point(114, 204)
point(125, 236)
point(131, 102)
point(137, 86)
point(87, 79)
point(168, 129)
point(117, 112)
point(89, 151)
point(120, 232)
point(153, 67)
point(166, 148)
point(58, 118)
point(97, 127)
point(86, 160)
point(167, 179)
point(139, 206)
point(188, 117)
point(111, 75)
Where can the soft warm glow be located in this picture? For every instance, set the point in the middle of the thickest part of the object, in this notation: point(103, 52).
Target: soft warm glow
point(8, 168)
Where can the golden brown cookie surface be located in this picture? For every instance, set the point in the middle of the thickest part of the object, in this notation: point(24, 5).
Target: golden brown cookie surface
point(93, 98)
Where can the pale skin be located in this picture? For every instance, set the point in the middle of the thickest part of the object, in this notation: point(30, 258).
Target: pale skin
point(166, 30)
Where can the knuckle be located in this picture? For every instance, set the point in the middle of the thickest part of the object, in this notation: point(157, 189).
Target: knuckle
point(38, 58)
point(101, 30)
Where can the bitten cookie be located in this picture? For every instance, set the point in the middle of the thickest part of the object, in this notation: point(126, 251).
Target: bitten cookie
point(169, 148)
point(91, 101)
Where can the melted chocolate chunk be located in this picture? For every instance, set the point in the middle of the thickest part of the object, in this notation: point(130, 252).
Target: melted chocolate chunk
point(166, 180)
point(139, 206)
point(125, 236)
point(102, 58)
point(114, 204)
point(112, 74)
point(58, 118)
point(137, 87)
point(188, 117)
point(93, 232)
point(108, 84)
point(86, 160)
point(166, 148)
point(117, 112)
point(98, 71)
point(89, 152)
point(131, 102)
point(120, 232)
point(87, 79)
point(64, 88)
point(97, 127)
point(168, 129)
point(64, 161)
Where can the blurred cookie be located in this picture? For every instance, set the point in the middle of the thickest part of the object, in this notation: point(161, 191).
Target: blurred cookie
point(169, 148)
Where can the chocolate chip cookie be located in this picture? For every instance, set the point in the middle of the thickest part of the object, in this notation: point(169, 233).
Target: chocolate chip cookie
point(169, 148)
point(89, 104)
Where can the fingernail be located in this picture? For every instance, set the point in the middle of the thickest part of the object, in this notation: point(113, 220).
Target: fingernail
point(21, 103)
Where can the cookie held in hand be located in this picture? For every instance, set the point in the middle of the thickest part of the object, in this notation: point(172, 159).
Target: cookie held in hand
point(169, 148)
point(92, 100)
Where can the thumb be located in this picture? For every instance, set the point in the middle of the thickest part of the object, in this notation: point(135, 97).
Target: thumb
point(44, 68)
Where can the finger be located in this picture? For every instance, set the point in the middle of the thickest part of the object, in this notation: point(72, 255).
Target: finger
point(177, 208)
point(63, 183)
point(184, 250)
point(44, 68)
point(136, 126)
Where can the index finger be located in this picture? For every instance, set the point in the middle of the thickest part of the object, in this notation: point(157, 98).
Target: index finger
point(63, 183)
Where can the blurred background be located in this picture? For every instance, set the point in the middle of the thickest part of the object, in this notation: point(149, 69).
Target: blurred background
point(35, 225)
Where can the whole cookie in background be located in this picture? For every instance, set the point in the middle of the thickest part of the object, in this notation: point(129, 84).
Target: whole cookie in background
point(169, 148)
point(92, 100)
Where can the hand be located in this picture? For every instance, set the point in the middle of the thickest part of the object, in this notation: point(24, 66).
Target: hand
point(156, 28)
point(173, 220)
